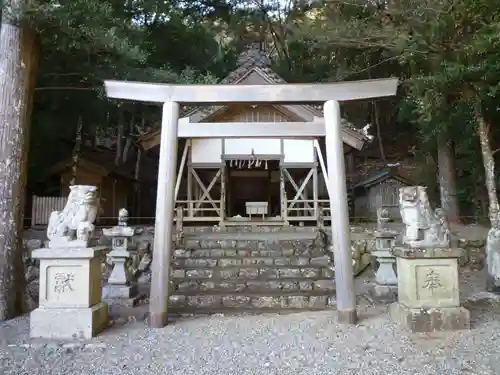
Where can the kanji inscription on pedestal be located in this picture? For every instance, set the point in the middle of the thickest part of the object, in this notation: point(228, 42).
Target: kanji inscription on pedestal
point(432, 281)
point(435, 282)
point(64, 285)
point(63, 282)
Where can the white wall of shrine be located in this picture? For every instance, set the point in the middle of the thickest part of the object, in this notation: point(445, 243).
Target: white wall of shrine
point(207, 152)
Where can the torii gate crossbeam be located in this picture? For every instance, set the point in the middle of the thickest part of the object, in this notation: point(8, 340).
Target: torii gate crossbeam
point(173, 95)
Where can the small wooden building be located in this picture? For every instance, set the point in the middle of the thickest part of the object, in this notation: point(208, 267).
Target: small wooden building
point(381, 189)
point(95, 167)
point(223, 180)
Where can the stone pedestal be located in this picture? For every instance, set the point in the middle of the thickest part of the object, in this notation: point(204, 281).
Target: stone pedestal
point(121, 288)
point(428, 290)
point(70, 294)
point(386, 286)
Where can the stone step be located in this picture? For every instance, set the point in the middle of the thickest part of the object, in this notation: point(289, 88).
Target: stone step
point(252, 241)
point(254, 236)
point(251, 302)
point(189, 286)
point(253, 272)
point(224, 262)
point(249, 245)
point(226, 252)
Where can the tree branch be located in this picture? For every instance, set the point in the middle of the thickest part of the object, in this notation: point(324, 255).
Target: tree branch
point(68, 88)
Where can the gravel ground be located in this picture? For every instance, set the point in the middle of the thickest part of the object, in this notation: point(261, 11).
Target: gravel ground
point(302, 343)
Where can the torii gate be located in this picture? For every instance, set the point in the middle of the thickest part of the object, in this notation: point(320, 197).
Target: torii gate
point(172, 96)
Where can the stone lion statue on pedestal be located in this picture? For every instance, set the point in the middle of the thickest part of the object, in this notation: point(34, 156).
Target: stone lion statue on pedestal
point(74, 225)
point(424, 227)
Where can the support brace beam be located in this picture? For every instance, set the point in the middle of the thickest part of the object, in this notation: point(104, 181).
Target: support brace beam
point(206, 190)
point(181, 169)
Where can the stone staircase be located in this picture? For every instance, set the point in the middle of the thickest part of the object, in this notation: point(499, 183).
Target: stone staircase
point(249, 271)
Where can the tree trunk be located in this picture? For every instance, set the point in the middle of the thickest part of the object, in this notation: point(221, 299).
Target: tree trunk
point(447, 176)
point(379, 135)
point(137, 185)
point(489, 171)
point(493, 237)
point(76, 151)
point(119, 137)
point(18, 64)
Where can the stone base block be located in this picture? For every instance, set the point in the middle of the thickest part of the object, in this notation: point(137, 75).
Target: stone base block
point(384, 293)
point(125, 302)
point(121, 295)
point(68, 323)
point(492, 285)
point(110, 291)
point(431, 319)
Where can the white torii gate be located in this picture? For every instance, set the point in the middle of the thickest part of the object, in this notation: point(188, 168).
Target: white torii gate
point(171, 96)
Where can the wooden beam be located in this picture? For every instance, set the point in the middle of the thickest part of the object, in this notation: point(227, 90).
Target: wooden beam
point(181, 170)
point(294, 130)
point(283, 93)
point(301, 130)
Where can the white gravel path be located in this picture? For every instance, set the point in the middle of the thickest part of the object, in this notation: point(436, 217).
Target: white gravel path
point(303, 343)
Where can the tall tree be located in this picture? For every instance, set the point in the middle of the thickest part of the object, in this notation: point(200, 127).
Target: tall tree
point(18, 61)
point(446, 174)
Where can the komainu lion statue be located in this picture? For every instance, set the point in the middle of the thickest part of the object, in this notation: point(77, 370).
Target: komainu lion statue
point(424, 227)
point(74, 225)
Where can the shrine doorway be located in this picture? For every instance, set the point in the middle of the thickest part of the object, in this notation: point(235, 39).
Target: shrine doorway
point(256, 184)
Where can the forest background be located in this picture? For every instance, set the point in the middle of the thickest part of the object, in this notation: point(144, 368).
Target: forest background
point(54, 56)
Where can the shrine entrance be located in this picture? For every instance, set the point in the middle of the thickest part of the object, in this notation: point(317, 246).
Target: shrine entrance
point(172, 96)
point(259, 183)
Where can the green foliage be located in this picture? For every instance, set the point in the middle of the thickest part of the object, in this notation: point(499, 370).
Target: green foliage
point(84, 42)
point(446, 53)
point(448, 59)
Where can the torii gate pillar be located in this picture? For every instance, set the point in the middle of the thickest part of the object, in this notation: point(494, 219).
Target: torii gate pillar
point(341, 236)
point(165, 205)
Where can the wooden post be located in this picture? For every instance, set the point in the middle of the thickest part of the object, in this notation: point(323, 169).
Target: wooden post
point(190, 190)
point(283, 196)
point(344, 277)
point(181, 169)
point(33, 211)
point(179, 227)
point(158, 303)
point(222, 214)
point(113, 202)
point(315, 189)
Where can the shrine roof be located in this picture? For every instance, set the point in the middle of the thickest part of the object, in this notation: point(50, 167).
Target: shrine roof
point(255, 61)
point(381, 176)
point(100, 161)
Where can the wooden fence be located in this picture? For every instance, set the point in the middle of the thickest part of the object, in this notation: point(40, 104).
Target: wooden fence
point(42, 208)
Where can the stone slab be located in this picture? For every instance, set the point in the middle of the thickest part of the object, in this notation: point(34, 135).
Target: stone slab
point(253, 236)
point(69, 253)
point(125, 302)
point(65, 243)
point(385, 233)
point(68, 323)
point(431, 252)
point(492, 285)
point(120, 291)
point(384, 293)
point(432, 319)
